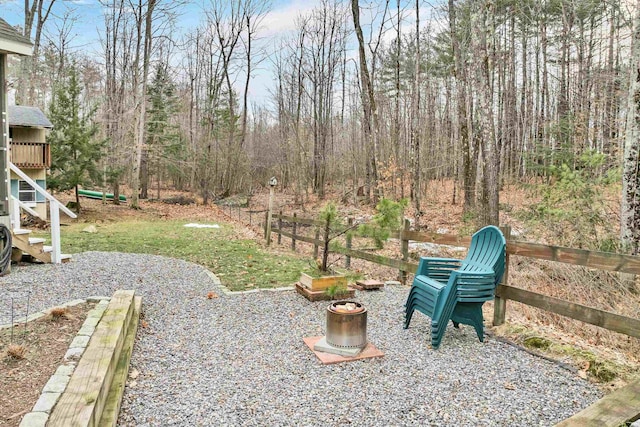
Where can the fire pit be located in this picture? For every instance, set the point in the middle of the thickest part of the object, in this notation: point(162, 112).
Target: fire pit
point(346, 329)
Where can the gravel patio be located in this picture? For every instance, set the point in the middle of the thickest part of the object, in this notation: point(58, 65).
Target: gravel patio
point(240, 359)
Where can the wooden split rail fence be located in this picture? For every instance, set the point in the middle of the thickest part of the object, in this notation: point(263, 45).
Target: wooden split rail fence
point(591, 259)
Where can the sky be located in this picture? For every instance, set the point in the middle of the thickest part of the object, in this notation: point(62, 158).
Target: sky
point(278, 22)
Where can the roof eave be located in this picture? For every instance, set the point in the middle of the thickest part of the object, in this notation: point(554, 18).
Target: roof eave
point(14, 47)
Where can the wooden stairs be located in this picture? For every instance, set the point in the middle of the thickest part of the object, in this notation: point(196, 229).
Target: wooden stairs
point(33, 246)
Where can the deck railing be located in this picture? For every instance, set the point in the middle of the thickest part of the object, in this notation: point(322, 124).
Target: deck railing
point(31, 154)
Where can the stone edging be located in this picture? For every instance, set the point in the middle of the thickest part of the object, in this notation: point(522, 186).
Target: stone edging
point(46, 311)
point(229, 292)
point(56, 385)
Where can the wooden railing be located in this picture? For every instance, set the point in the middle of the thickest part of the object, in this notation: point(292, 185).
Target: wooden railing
point(31, 154)
point(54, 213)
point(591, 259)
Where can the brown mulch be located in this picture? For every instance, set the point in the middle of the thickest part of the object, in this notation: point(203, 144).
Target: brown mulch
point(45, 342)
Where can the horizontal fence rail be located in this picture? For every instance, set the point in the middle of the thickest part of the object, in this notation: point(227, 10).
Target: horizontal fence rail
point(579, 257)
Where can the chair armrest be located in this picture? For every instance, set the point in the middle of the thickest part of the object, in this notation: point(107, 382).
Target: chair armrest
point(437, 266)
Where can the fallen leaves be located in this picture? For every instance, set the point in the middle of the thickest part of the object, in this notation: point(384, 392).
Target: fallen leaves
point(212, 295)
point(509, 386)
point(134, 374)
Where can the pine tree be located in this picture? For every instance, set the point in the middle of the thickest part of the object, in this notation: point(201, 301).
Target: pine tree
point(165, 147)
point(75, 151)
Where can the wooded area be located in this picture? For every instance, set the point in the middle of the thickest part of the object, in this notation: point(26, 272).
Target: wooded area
point(368, 98)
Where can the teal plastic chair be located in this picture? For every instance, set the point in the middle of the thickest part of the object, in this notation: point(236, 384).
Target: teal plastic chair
point(451, 289)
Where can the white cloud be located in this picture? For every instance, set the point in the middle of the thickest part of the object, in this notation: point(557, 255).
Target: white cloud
point(284, 19)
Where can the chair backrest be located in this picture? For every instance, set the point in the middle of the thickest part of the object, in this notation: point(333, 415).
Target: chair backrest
point(487, 249)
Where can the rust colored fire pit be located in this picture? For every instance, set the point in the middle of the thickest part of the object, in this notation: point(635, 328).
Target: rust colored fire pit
point(347, 325)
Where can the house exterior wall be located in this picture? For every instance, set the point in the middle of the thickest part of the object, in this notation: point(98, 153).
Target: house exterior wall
point(23, 134)
point(27, 134)
point(40, 177)
point(4, 145)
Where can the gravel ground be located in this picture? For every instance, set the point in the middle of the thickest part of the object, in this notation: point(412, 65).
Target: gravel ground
point(240, 360)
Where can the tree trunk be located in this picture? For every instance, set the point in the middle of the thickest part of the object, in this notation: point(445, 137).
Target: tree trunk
point(630, 208)
point(484, 70)
point(368, 106)
point(459, 73)
point(415, 126)
point(148, 35)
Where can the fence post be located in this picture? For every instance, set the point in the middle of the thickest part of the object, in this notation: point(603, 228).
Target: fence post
point(325, 246)
point(315, 244)
point(347, 258)
point(404, 246)
point(269, 214)
point(280, 228)
point(500, 304)
point(266, 219)
point(249, 218)
point(293, 235)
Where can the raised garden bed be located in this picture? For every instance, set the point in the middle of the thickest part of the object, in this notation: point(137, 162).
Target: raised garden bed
point(45, 342)
point(322, 295)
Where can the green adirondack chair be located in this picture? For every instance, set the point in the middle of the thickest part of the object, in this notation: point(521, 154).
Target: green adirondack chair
point(452, 289)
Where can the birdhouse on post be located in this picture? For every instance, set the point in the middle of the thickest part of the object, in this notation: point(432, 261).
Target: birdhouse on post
point(272, 184)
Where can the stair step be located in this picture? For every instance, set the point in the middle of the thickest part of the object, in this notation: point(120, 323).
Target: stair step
point(36, 240)
point(21, 231)
point(47, 248)
point(65, 257)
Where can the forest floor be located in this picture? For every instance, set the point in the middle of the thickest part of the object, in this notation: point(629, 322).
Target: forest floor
point(44, 343)
point(606, 357)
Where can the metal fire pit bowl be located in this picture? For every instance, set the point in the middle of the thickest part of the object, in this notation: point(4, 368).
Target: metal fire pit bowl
point(347, 329)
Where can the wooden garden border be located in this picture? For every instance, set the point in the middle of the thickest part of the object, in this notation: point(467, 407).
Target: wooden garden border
point(94, 392)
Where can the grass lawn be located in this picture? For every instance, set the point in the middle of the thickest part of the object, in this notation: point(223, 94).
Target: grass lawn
point(240, 264)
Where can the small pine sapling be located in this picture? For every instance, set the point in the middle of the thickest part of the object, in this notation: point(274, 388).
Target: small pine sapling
point(387, 219)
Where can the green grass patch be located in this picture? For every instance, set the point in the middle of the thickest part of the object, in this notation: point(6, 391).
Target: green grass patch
point(240, 264)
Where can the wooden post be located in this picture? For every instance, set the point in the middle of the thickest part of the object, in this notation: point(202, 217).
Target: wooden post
point(404, 246)
point(15, 214)
point(250, 219)
point(280, 228)
point(54, 212)
point(315, 244)
point(269, 213)
point(266, 219)
point(325, 247)
point(347, 258)
point(293, 235)
point(500, 304)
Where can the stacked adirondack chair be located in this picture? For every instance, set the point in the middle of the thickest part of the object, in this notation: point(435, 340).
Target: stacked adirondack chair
point(451, 289)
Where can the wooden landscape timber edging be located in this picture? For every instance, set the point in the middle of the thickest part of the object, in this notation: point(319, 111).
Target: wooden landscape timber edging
point(614, 410)
point(95, 389)
point(111, 409)
point(580, 257)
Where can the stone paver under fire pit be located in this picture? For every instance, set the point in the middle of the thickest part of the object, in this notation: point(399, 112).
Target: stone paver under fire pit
point(240, 360)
